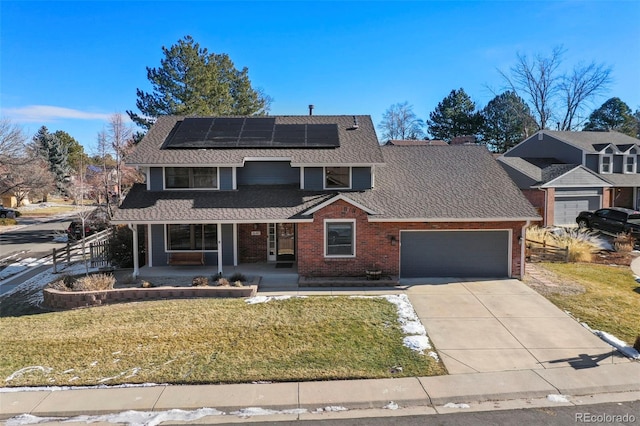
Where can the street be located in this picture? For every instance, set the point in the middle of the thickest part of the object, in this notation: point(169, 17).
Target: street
point(36, 239)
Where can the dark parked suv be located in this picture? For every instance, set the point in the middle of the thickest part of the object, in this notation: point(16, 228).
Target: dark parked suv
point(96, 222)
point(612, 220)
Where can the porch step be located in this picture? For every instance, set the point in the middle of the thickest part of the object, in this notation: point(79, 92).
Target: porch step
point(347, 282)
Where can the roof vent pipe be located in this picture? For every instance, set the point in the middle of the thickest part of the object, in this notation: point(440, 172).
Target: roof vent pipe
point(311, 109)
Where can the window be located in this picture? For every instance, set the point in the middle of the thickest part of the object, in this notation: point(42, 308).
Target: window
point(340, 238)
point(337, 177)
point(191, 177)
point(606, 163)
point(191, 237)
point(629, 163)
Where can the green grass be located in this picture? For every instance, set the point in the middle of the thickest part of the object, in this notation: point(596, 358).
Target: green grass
point(211, 341)
point(611, 301)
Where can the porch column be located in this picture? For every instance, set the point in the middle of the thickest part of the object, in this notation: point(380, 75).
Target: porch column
point(219, 231)
point(136, 263)
point(235, 244)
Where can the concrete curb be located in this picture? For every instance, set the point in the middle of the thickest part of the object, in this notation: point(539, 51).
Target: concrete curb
point(433, 391)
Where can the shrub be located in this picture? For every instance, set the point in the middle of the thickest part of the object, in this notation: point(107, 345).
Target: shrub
point(94, 282)
point(237, 277)
point(146, 284)
point(200, 281)
point(237, 283)
point(121, 246)
point(581, 243)
point(223, 282)
point(624, 243)
point(8, 222)
point(65, 283)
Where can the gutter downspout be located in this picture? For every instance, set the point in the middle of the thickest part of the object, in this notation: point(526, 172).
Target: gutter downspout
point(136, 265)
point(523, 246)
point(219, 236)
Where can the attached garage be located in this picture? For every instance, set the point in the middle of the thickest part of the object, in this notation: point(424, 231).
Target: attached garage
point(468, 253)
point(567, 208)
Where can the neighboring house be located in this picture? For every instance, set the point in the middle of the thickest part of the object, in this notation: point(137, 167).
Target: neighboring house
point(463, 140)
point(411, 142)
point(564, 173)
point(321, 192)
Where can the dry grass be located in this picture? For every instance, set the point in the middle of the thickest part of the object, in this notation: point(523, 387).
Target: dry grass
point(581, 243)
point(211, 341)
point(611, 298)
point(93, 282)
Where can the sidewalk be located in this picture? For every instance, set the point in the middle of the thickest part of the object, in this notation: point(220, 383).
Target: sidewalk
point(504, 345)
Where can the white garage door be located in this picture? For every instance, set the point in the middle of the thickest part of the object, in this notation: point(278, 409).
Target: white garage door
point(567, 208)
point(454, 254)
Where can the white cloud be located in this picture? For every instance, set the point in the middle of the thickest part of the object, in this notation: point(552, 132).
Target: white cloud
point(45, 113)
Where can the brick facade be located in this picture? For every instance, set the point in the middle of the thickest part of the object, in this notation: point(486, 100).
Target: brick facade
point(537, 198)
point(623, 198)
point(252, 248)
point(377, 242)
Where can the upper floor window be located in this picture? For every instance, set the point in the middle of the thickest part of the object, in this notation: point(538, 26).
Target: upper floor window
point(337, 177)
point(606, 164)
point(191, 177)
point(629, 163)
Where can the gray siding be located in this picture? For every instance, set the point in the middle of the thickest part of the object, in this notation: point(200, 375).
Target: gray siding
point(578, 177)
point(592, 162)
point(521, 180)
point(549, 147)
point(156, 179)
point(226, 178)
point(361, 178)
point(313, 178)
point(268, 173)
point(157, 246)
point(227, 244)
point(574, 192)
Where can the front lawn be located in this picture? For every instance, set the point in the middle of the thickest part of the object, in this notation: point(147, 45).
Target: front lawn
point(610, 301)
point(210, 341)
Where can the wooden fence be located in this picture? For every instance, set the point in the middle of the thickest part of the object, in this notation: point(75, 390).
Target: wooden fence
point(95, 246)
point(536, 251)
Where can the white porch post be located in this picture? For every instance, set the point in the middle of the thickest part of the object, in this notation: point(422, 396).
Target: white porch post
point(219, 232)
point(235, 244)
point(136, 263)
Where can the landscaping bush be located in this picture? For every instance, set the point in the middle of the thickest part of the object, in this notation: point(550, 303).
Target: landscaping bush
point(624, 243)
point(94, 282)
point(200, 281)
point(237, 277)
point(582, 243)
point(223, 282)
point(5, 221)
point(121, 246)
point(237, 283)
point(65, 283)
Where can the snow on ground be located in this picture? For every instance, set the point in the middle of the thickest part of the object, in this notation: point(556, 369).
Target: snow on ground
point(557, 398)
point(20, 266)
point(454, 405)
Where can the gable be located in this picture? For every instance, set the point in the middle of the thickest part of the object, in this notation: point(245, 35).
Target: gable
point(577, 177)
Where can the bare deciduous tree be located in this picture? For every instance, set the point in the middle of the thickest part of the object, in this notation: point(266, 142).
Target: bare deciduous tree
point(555, 96)
point(400, 122)
point(12, 143)
point(28, 179)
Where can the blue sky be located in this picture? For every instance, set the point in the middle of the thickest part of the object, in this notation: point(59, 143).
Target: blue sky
point(70, 65)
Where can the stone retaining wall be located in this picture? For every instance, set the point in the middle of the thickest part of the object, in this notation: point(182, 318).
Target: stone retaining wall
point(56, 299)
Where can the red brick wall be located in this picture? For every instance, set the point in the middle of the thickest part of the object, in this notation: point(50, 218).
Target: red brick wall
point(537, 199)
point(373, 242)
point(252, 248)
point(623, 197)
point(606, 197)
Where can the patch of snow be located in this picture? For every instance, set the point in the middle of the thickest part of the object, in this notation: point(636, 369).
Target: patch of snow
point(434, 355)
point(413, 327)
point(626, 350)
point(66, 388)
point(453, 405)
point(330, 409)
point(557, 398)
point(417, 343)
point(130, 418)
point(257, 411)
point(27, 370)
point(266, 299)
point(391, 406)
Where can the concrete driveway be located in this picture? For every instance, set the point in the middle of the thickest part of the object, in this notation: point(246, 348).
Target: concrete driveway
point(501, 325)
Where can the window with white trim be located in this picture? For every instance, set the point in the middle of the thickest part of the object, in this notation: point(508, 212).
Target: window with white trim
point(629, 163)
point(192, 237)
point(191, 177)
point(337, 177)
point(606, 164)
point(340, 238)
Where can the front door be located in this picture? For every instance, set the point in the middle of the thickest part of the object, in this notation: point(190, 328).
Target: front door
point(286, 242)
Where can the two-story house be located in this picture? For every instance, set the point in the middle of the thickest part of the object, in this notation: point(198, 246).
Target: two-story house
point(320, 192)
point(564, 173)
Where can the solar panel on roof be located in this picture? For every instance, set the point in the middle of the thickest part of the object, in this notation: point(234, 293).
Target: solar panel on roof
point(249, 132)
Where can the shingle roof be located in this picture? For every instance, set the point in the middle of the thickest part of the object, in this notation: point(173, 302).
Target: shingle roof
point(444, 182)
point(357, 145)
point(417, 182)
point(588, 140)
point(405, 142)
